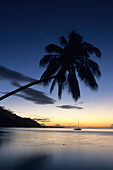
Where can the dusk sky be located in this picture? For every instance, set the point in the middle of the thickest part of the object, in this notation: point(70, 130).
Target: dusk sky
point(26, 28)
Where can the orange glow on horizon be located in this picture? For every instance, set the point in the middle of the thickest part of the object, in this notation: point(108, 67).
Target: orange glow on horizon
point(91, 116)
point(85, 125)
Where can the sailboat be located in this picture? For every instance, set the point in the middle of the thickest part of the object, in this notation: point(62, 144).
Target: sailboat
point(78, 128)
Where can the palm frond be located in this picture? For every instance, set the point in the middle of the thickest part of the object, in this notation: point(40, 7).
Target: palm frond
point(89, 63)
point(97, 52)
point(52, 48)
point(61, 79)
point(62, 63)
point(63, 41)
point(94, 68)
point(72, 84)
point(53, 85)
point(59, 90)
point(84, 53)
point(87, 76)
point(46, 60)
point(91, 49)
point(74, 38)
point(51, 69)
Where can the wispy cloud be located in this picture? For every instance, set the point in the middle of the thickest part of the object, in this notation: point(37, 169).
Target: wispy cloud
point(10, 75)
point(41, 119)
point(69, 107)
point(15, 78)
point(38, 97)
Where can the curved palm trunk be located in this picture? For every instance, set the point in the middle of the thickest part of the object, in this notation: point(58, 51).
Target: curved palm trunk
point(24, 87)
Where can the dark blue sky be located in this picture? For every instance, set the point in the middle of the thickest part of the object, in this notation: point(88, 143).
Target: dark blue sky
point(26, 27)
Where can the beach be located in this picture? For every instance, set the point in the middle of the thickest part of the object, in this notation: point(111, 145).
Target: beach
point(56, 148)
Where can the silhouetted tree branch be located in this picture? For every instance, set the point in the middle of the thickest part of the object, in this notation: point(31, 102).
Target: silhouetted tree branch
point(65, 63)
point(24, 87)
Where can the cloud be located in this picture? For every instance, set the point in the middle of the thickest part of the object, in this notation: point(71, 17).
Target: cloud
point(41, 119)
point(10, 75)
point(38, 97)
point(42, 124)
point(58, 125)
point(111, 126)
point(69, 107)
point(81, 102)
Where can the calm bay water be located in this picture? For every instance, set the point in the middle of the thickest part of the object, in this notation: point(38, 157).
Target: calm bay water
point(52, 149)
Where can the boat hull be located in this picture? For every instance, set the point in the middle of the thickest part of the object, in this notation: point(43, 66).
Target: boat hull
point(77, 129)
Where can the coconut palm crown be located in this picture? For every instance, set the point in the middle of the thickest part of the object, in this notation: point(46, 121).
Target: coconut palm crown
point(68, 62)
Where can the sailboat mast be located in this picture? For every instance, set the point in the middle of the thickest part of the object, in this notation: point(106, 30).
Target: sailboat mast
point(78, 123)
point(77, 128)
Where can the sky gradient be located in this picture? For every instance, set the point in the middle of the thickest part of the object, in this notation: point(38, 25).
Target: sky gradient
point(26, 28)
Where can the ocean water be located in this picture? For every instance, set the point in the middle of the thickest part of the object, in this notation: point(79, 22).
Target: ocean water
point(56, 149)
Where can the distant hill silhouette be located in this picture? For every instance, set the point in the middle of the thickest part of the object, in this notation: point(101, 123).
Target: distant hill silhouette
point(9, 119)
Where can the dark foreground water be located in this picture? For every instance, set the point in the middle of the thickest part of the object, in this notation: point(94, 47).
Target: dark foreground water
point(56, 149)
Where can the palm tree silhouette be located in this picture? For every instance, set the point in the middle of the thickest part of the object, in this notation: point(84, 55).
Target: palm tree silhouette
point(65, 64)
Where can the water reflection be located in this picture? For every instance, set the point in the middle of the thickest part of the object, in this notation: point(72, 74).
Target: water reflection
point(57, 149)
point(5, 137)
point(31, 163)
